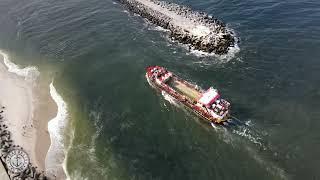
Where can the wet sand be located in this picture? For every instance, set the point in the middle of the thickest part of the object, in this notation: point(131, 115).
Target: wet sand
point(28, 108)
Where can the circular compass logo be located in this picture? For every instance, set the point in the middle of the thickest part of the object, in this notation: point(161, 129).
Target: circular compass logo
point(17, 161)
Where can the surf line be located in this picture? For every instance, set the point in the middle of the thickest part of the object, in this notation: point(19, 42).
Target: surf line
point(29, 72)
point(56, 128)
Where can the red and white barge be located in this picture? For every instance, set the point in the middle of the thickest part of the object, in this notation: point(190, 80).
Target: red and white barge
point(206, 104)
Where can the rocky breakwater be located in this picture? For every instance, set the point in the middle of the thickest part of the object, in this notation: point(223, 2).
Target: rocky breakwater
point(197, 29)
point(13, 158)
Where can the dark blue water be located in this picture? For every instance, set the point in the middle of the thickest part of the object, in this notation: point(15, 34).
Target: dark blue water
point(124, 130)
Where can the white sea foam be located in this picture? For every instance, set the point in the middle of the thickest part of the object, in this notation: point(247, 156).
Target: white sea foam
point(56, 153)
point(89, 150)
point(97, 118)
point(215, 127)
point(64, 165)
point(169, 98)
point(232, 51)
point(245, 132)
point(29, 73)
point(248, 123)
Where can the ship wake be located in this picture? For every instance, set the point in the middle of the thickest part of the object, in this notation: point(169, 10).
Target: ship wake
point(236, 130)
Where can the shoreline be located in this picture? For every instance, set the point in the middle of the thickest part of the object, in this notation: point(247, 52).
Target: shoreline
point(29, 108)
point(56, 157)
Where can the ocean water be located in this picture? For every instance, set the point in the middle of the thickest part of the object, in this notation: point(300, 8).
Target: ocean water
point(117, 127)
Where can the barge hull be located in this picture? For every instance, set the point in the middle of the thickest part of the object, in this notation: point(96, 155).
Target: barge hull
point(186, 94)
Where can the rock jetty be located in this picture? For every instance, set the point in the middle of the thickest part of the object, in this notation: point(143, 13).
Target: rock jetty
point(197, 29)
point(6, 146)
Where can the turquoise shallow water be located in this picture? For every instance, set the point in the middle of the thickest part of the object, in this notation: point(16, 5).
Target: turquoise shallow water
point(124, 130)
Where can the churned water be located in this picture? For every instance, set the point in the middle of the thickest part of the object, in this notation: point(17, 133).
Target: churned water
point(118, 127)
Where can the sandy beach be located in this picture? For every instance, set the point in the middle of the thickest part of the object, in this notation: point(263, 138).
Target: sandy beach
point(28, 108)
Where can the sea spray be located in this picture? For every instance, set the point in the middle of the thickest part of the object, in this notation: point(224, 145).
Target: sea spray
point(56, 154)
point(30, 73)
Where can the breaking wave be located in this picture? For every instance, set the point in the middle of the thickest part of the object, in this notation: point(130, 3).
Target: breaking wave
point(56, 153)
point(30, 73)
